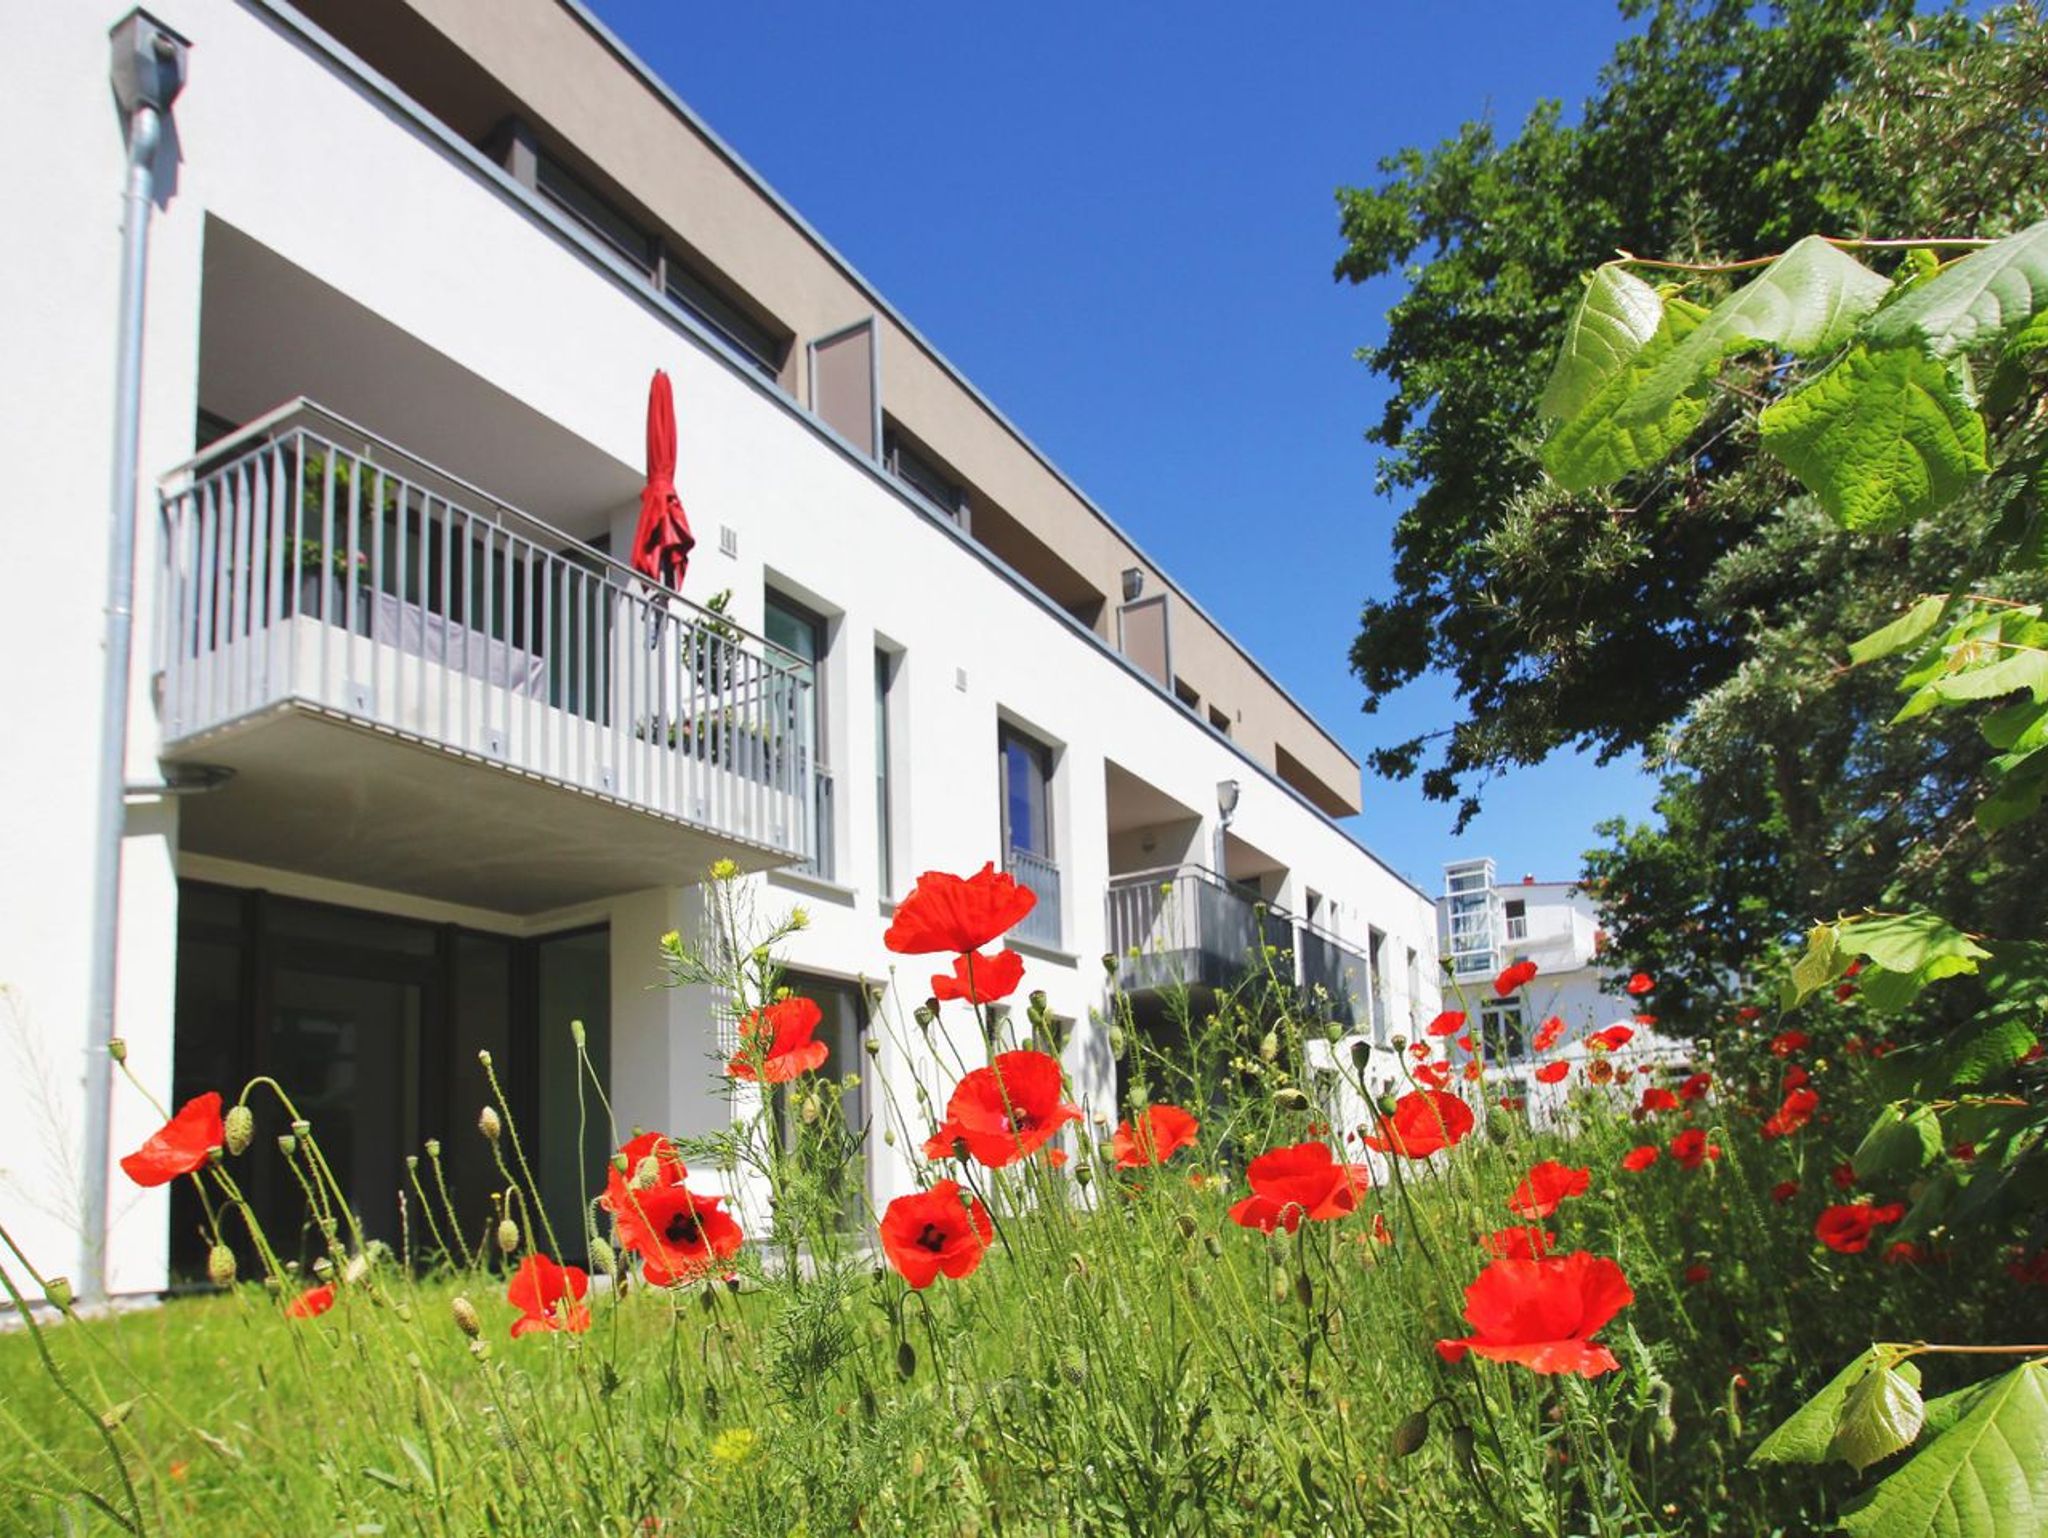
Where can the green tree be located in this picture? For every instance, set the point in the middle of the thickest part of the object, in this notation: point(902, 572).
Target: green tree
point(1718, 128)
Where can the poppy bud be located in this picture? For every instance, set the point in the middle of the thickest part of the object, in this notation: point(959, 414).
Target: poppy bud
point(576, 1033)
point(872, 1046)
point(619, 1162)
point(488, 1124)
point(1462, 1442)
point(1269, 1046)
point(357, 1268)
point(1498, 1128)
point(117, 1049)
point(906, 1360)
point(480, 1349)
point(238, 1127)
point(1039, 1004)
point(57, 1293)
point(889, 1136)
point(466, 1319)
point(1210, 1244)
point(1397, 1041)
point(1186, 1225)
point(646, 1173)
point(1290, 1099)
point(707, 1299)
point(1109, 962)
point(1334, 1032)
point(220, 1266)
point(1304, 1290)
point(1116, 1042)
point(508, 1235)
point(404, 1310)
point(433, 1148)
point(1412, 1432)
point(602, 1258)
point(287, 1144)
point(868, 1408)
point(924, 1015)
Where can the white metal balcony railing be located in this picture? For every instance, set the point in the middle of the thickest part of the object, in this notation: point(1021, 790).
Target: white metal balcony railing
point(1187, 926)
point(1042, 925)
point(308, 562)
point(823, 833)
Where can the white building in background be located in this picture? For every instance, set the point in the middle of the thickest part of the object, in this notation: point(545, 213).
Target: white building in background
point(414, 765)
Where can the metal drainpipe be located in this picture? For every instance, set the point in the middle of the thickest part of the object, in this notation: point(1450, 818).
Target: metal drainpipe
point(148, 70)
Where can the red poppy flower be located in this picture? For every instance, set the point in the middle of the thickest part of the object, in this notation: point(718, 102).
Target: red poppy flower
point(2028, 1270)
point(678, 1235)
point(548, 1297)
point(1785, 1043)
point(1644, 1019)
point(1305, 1180)
point(929, 1233)
point(1517, 976)
point(1547, 1034)
point(1513, 1102)
point(1658, 1099)
point(1010, 1110)
point(946, 913)
point(775, 1042)
point(1464, 1043)
point(1795, 1113)
point(980, 979)
point(181, 1145)
point(1613, 1039)
point(1550, 1073)
point(1853, 1047)
point(1543, 1313)
point(1696, 1087)
point(1433, 1075)
point(1964, 1152)
point(1749, 1012)
point(1639, 1159)
point(1381, 1234)
point(1473, 1071)
point(1159, 1132)
point(1843, 1175)
point(1847, 1229)
point(1424, 1122)
point(1419, 1050)
point(1696, 1274)
point(1547, 1184)
point(1784, 1191)
point(1057, 1158)
point(666, 1170)
point(1691, 1148)
point(1519, 1243)
point(1907, 1253)
point(1844, 992)
point(1449, 1023)
point(1796, 1077)
point(1640, 984)
point(311, 1303)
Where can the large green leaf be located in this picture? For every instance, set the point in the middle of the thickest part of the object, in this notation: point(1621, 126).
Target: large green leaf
point(1820, 965)
point(1916, 624)
point(1911, 942)
point(1615, 319)
point(1808, 302)
point(1881, 437)
point(1985, 1477)
point(2022, 667)
point(1808, 1434)
point(1597, 446)
point(1881, 1413)
point(1902, 1141)
point(1981, 297)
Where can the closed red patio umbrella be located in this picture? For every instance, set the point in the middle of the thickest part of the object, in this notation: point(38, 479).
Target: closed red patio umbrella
point(663, 541)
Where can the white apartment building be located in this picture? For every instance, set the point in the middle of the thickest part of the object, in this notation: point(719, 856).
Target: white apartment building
point(414, 764)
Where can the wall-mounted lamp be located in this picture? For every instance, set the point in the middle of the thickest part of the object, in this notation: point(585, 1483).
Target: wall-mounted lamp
point(1148, 842)
point(1134, 582)
point(1226, 798)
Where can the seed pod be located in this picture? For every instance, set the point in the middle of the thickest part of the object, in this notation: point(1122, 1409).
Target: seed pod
point(1290, 1099)
point(906, 1360)
point(220, 1266)
point(1215, 1249)
point(508, 1235)
point(117, 1049)
point(480, 1349)
point(872, 1046)
point(357, 1268)
point(412, 1164)
point(433, 1148)
point(466, 1318)
point(576, 1033)
point(287, 1144)
point(1186, 1225)
point(1361, 1055)
point(322, 1267)
point(1498, 1128)
point(619, 1162)
point(1109, 962)
point(1333, 1032)
point(488, 1124)
point(1304, 1290)
point(484, 1057)
point(924, 1015)
point(1083, 1174)
point(889, 1136)
point(57, 1293)
point(1411, 1433)
point(1398, 1042)
point(1462, 1442)
point(238, 1127)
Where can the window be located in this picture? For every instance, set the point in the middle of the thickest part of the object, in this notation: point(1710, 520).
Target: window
point(885, 829)
point(1518, 918)
point(835, 1144)
point(748, 337)
point(1026, 770)
point(562, 188)
point(924, 477)
point(1500, 1027)
point(1220, 720)
point(1186, 693)
point(797, 631)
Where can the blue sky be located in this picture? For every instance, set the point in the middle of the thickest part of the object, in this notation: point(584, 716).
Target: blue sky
point(1119, 221)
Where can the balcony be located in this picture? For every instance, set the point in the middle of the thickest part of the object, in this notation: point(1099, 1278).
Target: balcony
point(1185, 926)
point(1343, 974)
point(1042, 925)
point(419, 687)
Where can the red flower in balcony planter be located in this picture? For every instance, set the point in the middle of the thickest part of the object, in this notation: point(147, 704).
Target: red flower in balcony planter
point(1547, 1034)
point(1449, 1023)
point(1691, 1148)
point(1544, 1313)
point(1613, 1038)
point(311, 1303)
point(1847, 1229)
point(776, 1044)
point(1795, 1113)
point(980, 979)
point(548, 1297)
point(1155, 1135)
point(1784, 1191)
point(665, 1170)
point(1289, 1184)
point(1522, 1243)
point(1696, 1087)
point(1637, 1160)
point(949, 913)
point(1659, 1099)
point(1010, 1110)
point(1520, 975)
point(928, 1234)
point(1551, 1073)
point(678, 1235)
point(1545, 1186)
point(1424, 1122)
point(1640, 984)
point(1785, 1043)
point(181, 1146)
